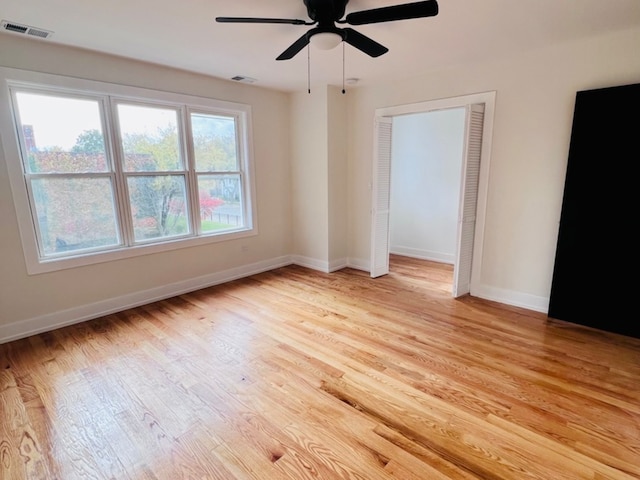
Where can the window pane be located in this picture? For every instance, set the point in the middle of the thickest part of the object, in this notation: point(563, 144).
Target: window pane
point(220, 202)
point(214, 143)
point(75, 214)
point(158, 206)
point(61, 134)
point(149, 139)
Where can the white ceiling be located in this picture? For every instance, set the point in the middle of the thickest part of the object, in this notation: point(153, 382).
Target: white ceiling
point(185, 34)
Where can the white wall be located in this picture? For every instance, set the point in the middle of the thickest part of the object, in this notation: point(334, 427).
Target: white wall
point(309, 178)
point(535, 94)
point(319, 134)
point(40, 302)
point(426, 168)
point(338, 130)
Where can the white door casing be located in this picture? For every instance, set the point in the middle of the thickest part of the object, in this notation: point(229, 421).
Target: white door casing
point(473, 194)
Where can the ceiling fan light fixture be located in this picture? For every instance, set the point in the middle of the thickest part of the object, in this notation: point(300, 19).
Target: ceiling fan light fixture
point(325, 40)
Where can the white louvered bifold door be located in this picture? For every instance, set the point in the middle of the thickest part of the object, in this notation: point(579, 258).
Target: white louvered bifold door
point(468, 202)
point(381, 187)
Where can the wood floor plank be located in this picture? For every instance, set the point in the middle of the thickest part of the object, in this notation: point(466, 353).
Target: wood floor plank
point(295, 374)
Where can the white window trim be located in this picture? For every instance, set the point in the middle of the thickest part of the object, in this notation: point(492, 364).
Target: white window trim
point(10, 142)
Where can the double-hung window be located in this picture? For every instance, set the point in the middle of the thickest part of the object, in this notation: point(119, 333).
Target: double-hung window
point(108, 171)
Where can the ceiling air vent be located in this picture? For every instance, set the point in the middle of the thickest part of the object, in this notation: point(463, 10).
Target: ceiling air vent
point(25, 29)
point(243, 79)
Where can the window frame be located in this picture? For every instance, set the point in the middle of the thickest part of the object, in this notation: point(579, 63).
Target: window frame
point(123, 175)
point(110, 95)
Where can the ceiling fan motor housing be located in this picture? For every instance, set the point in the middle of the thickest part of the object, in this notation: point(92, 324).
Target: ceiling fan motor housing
point(326, 12)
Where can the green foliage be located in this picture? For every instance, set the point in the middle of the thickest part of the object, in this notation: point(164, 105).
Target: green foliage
point(161, 197)
point(155, 196)
point(89, 142)
point(214, 143)
point(74, 213)
point(153, 153)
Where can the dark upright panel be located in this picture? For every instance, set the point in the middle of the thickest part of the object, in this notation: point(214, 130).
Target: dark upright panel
point(595, 272)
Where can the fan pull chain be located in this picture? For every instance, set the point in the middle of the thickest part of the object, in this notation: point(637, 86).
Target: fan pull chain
point(343, 90)
point(309, 69)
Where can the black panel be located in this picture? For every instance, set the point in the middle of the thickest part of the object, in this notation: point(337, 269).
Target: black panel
point(595, 271)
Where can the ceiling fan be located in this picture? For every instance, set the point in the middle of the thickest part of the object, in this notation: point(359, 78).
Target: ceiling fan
point(325, 14)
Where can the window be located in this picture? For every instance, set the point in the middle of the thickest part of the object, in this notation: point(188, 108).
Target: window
point(105, 174)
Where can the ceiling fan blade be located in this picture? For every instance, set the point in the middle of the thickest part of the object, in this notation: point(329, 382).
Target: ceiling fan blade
point(289, 21)
point(295, 47)
point(364, 43)
point(428, 8)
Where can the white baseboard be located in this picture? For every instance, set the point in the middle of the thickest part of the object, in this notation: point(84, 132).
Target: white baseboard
point(510, 297)
point(359, 264)
point(320, 265)
point(52, 321)
point(423, 254)
point(312, 263)
point(338, 264)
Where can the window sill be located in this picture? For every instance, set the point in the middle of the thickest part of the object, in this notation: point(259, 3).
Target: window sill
point(38, 266)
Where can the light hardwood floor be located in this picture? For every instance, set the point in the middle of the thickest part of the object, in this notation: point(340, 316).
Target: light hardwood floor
point(294, 374)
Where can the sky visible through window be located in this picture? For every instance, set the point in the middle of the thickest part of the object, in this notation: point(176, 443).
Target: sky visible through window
point(58, 121)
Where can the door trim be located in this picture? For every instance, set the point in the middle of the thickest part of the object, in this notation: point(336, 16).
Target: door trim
point(488, 99)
